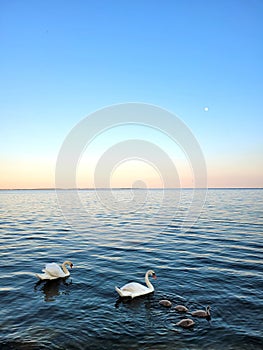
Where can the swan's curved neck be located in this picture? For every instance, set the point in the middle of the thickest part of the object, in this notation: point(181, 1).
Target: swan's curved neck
point(65, 270)
point(148, 283)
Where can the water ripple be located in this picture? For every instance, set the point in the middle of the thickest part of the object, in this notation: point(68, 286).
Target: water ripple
point(219, 262)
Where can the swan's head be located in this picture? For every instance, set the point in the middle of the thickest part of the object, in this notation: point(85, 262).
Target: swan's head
point(152, 273)
point(69, 263)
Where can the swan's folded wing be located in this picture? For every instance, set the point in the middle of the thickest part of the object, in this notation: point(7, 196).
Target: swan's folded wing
point(134, 287)
point(45, 276)
point(123, 293)
point(54, 270)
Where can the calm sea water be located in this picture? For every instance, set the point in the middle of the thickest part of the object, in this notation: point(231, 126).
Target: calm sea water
point(219, 262)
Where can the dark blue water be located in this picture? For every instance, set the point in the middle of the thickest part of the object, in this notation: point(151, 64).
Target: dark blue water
point(218, 262)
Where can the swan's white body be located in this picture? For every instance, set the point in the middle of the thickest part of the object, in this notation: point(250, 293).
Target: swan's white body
point(135, 289)
point(53, 271)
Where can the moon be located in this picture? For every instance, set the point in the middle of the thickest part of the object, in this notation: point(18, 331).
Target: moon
point(206, 109)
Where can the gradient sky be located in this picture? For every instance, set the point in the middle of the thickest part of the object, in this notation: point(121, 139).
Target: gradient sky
point(62, 60)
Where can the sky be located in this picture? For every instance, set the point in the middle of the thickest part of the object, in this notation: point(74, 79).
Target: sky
point(61, 61)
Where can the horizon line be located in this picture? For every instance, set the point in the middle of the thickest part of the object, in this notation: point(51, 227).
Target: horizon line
point(127, 188)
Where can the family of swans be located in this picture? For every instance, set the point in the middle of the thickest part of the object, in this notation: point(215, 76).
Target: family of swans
point(131, 290)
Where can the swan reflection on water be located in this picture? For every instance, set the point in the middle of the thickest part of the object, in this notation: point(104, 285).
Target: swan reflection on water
point(146, 300)
point(52, 288)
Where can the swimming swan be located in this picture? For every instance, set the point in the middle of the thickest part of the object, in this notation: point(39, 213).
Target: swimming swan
point(53, 271)
point(165, 303)
point(186, 323)
point(202, 313)
point(134, 289)
point(181, 308)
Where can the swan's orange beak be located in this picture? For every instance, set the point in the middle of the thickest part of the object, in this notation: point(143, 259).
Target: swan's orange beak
point(71, 265)
point(155, 277)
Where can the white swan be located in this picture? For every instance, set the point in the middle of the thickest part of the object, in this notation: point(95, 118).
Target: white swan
point(134, 289)
point(53, 271)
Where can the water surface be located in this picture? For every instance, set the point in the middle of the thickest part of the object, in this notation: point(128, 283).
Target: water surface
point(218, 262)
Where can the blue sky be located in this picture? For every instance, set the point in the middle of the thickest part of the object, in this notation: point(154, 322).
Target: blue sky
point(62, 60)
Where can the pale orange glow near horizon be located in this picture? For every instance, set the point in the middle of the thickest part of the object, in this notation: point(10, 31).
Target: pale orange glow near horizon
point(40, 173)
point(27, 173)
